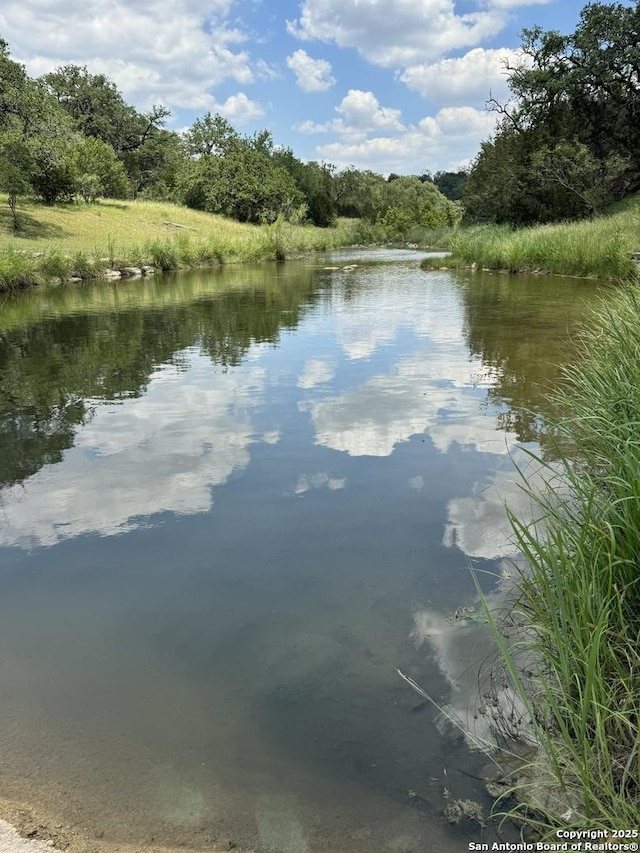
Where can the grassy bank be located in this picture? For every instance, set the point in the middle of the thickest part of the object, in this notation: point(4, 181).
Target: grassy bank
point(579, 602)
point(57, 241)
point(598, 248)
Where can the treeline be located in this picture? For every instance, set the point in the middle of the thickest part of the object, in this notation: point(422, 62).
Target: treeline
point(71, 135)
point(569, 142)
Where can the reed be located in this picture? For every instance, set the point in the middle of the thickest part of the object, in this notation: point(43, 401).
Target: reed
point(579, 598)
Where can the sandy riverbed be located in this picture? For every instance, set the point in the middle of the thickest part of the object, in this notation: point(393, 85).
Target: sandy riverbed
point(25, 831)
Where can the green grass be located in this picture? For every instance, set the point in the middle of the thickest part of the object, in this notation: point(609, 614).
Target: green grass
point(83, 239)
point(579, 599)
point(599, 248)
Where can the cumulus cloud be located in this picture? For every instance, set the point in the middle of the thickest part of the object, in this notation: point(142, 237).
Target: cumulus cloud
point(310, 126)
point(169, 51)
point(360, 113)
point(318, 481)
point(416, 40)
point(414, 31)
point(388, 409)
point(445, 141)
point(312, 75)
point(433, 392)
point(477, 523)
point(240, 109)
point(466, 79)
point(395, 37)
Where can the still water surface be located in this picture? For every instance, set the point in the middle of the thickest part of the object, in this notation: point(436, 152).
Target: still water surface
point(232, 504)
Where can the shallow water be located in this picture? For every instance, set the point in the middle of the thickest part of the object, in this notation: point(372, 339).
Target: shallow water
point(233, 504)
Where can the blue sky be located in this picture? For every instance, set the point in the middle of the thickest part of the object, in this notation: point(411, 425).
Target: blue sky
point(388, 85)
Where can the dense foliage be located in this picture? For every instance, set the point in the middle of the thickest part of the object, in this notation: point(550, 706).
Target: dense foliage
point(569, 142)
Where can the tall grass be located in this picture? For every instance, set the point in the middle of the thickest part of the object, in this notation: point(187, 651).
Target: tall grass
point(579, 601)
point(599, 248)
point(18, 270)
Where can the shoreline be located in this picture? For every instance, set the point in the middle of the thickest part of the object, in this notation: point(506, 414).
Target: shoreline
point(27, 829)
point(93, 239)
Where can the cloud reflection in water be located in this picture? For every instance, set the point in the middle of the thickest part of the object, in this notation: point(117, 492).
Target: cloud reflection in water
point(164, 451)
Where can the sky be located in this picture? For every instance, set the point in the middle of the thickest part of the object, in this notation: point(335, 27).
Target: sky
point(388, 85)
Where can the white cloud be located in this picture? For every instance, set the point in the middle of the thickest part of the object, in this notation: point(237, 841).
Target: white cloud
point(454, 644)
point(514, 4)
point(266, 70)
point(312, 75)
point(309, 126)
point(407, 33)
point(415, 39)
point(360, 113)
point(447, 140)
point(477, 523)
point(386, 410)
point(156, 51)
point(240, 109)
point(467, 79)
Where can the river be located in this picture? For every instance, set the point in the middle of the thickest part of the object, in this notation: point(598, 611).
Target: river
point(233, 503)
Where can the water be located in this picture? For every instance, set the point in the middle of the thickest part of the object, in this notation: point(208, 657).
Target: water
point(233, 505)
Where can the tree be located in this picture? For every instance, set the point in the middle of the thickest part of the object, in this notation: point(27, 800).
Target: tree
point(154, 166)
point(98, 171)
point(239, 176)
point(407, 202)
point(98, 110)
point(16, 166)
point(210, 135)
point(500, 187)
point(246, 185)
point(23, 103)
point(569, 142)
point(586, 85)
point(451, 184)
point(570, 169)
point(34, 134)
point(360, 194)
point(322, 191)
